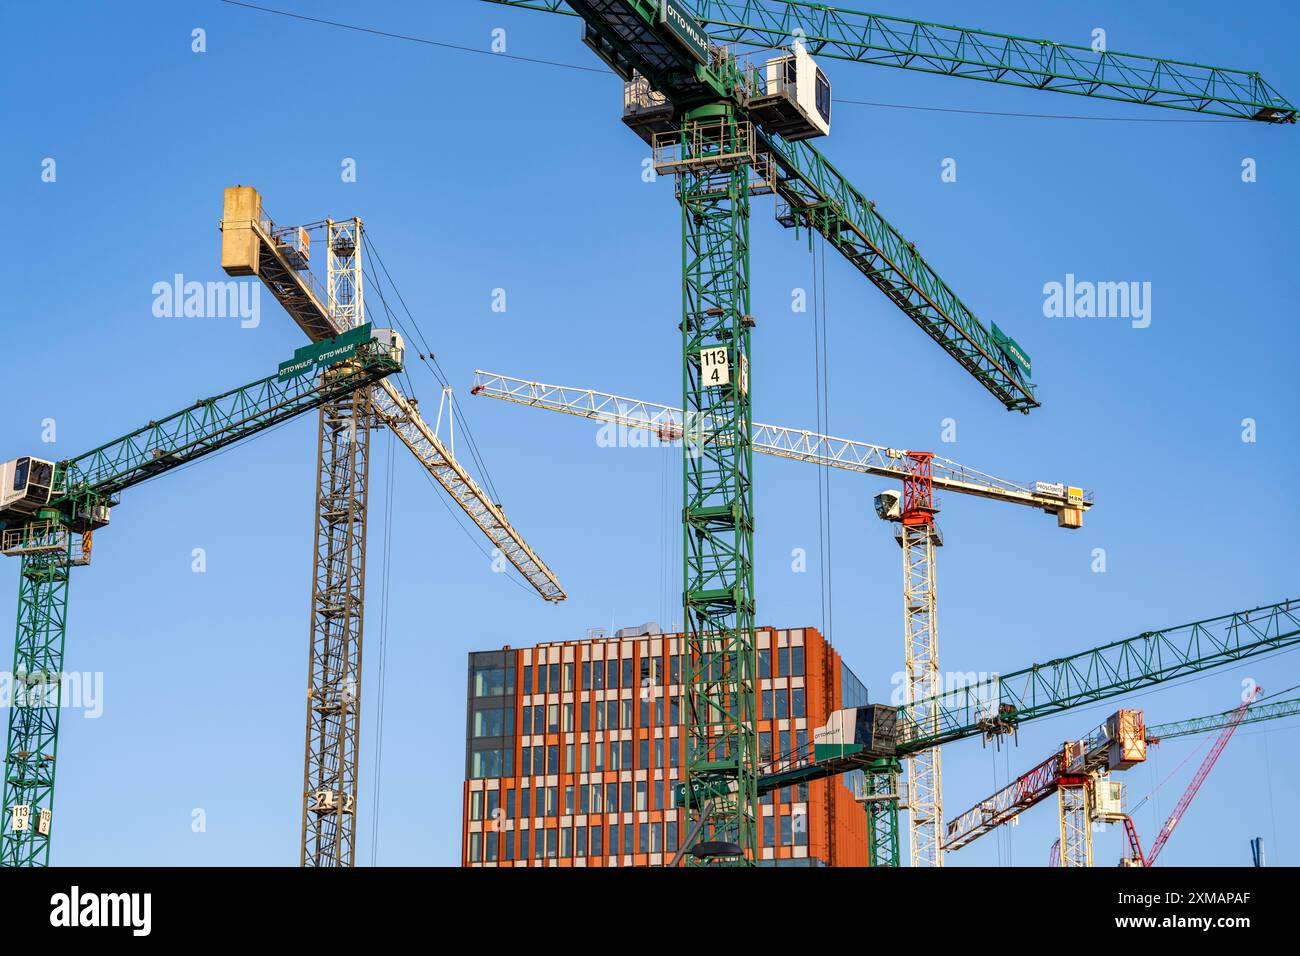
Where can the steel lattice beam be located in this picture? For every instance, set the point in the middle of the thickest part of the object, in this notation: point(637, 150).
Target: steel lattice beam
point(862, 37)
point(999, 704)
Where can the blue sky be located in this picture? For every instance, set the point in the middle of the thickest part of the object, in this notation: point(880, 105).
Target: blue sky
point(476, 173)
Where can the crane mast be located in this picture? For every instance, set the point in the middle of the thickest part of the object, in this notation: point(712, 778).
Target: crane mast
point(252, 244)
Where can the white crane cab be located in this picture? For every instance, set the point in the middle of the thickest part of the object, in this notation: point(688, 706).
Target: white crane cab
point(392, 341)
point(25, 485)
point(797, 101)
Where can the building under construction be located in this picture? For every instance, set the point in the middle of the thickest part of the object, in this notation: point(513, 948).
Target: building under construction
point(573, 749)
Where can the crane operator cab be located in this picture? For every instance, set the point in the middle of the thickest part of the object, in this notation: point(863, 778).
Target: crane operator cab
point(25, 486)
point(392, 341)
point(797, 102)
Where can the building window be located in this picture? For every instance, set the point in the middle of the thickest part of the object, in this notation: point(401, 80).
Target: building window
point(597, 677)
point(523, 844)
point(656, 837)
point(476, 804)
point(596, 848)
point(796, 661)
point(475, 847)
point(580, 842)
point(528, 721)
point(640, 795)
point(493, 804)
point(527, 687)
point(644, 754)
point(553, 719)
point(566, 842)
point(551, 800)
point(764, 662)
point(584, 800)
point(611, 677)
point(489, 682)
point(490, 763)
point(611, 798)
point(769, 831)
point(510, 804)
point(598, 755)
point(675, 669)
point(674, 711)
point(628, 849)
point(508, 845)
point(541, 679)
point(645, 711)
point(787, 837)
point(568, 801)
point(492, 839)
point(765, 746)
point(796, 702)
point(625, 722)
point(626, 756)
point(554, 678)
point(627, 672)
point(780, 703)
point(525, 808)
point(671, 831)
point(613, 840)
point(626, 796)
point(611, 715)
point(553, 758)
point(800, 826)
point(568, 679)
point(493, 722)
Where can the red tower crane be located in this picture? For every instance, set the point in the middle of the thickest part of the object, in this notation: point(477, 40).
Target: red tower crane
point(1180, 809)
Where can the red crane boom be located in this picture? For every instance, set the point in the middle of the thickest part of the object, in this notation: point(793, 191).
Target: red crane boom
point(1201, 773)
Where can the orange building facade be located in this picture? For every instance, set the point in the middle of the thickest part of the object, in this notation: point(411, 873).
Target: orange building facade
point(573, 749)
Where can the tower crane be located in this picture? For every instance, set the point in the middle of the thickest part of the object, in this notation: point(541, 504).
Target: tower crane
point(997, 706)
point(49, 512)
point(1136, 857)
point(1077, 774)
point(917, 534)
point(728, 130)
point(253, 245)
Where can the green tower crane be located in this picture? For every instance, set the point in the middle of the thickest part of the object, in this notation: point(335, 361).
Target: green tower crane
point(728, 130)
point(49, 511)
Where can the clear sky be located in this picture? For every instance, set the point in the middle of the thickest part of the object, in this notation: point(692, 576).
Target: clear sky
point(476, 173)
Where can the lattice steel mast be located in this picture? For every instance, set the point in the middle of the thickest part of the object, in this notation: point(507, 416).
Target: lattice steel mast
point(329, 808)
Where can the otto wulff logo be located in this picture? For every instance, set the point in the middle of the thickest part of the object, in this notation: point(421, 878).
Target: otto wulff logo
point(76, 909)
point(208, 300)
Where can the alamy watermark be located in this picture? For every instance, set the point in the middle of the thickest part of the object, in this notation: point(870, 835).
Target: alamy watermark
point(73, 690)
point(209, 300)
point(1084, 299)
